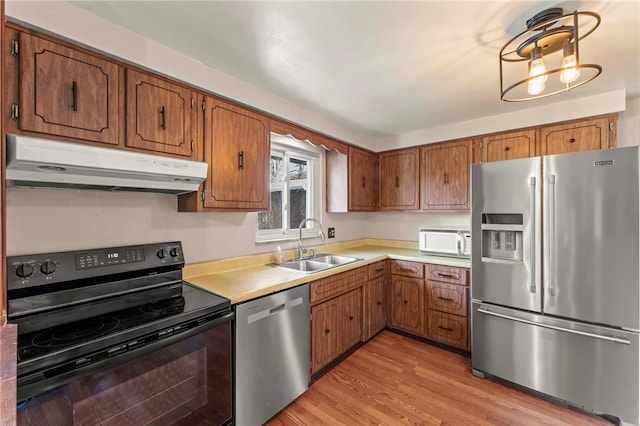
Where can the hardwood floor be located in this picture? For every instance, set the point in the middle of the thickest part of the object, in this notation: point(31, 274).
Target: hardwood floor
point(394, 380)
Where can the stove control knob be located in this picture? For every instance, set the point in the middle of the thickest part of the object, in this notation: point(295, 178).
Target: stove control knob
point(48, 267)
point(174, 252)
point(162, 253)
point(25, 270)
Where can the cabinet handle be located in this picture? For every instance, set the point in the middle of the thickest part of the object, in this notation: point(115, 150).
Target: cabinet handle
point(378, 270)
point(241, 160)
point(445, 298)
point(163, 113)
point(572, 140)
point(74, 90)
point(397, 181)
point(445, 179)
point(445, 328)
point(364, 181)
point(405, 269)
point(446, 275)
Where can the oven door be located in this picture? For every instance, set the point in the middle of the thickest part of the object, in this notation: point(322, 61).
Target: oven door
point(184, 383)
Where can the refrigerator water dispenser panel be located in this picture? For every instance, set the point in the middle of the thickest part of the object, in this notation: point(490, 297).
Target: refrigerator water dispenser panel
point(502, 237)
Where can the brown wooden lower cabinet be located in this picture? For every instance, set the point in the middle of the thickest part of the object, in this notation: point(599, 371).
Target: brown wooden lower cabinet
point(336, 326)
point(407, 304)
point(375, 300)
point(449, 329)
point(336, 315)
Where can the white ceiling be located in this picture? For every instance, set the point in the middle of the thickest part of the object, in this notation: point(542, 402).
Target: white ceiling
point(386, 67)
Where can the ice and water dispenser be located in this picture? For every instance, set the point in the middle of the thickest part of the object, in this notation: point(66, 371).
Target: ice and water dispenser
point(502, 237)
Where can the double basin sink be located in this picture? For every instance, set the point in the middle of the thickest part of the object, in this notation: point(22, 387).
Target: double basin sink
point(317, 263)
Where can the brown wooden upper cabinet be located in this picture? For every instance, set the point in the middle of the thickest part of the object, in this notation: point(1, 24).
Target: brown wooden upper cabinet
point(509, 146)
point(363, 180)
point(398, 173)
point(237, 149)
point(160, 115)
point(64, 91)
point(445, 175)
point(583, 135)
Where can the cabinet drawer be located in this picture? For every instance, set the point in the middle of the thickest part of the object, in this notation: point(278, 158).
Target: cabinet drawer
point(447, 274)
point(335, 285)
point(407, 269)
point(447, 298)
point(448, 329)
point(378, 269)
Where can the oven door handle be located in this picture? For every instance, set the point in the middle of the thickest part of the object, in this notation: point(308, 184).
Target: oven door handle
point(226, 317)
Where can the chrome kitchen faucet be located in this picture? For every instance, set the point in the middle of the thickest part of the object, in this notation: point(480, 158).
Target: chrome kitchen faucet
point(302, 249)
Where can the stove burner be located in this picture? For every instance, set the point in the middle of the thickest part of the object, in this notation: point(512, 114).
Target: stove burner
point(164, 307)
point(76, 332)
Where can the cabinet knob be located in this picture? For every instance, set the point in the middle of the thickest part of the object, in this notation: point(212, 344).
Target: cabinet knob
point(350, 317)
point(572, 140)
point(506, 148)
point(326, 331)
point(405, 302)
point(379, 303)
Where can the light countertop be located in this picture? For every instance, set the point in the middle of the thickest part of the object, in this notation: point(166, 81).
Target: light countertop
point(246, 278)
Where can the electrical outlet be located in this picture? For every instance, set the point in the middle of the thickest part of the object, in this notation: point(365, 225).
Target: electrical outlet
point(331, 232)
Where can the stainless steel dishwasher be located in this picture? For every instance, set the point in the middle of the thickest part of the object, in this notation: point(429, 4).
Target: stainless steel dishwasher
point(272, 354)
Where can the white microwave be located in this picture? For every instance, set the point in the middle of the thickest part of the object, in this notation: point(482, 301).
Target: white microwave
point(445, 242)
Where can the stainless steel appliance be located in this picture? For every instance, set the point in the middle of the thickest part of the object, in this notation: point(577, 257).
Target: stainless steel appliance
point(43, 163)
point(116, 334)
point(555, 277)
point(445, 242)
point(272, 354)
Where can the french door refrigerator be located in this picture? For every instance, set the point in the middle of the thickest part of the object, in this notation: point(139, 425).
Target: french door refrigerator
point(556, 277)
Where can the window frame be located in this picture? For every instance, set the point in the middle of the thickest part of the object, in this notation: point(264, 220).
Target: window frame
point(288, 146)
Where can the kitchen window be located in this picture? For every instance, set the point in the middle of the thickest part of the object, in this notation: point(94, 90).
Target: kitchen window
point(295, 176)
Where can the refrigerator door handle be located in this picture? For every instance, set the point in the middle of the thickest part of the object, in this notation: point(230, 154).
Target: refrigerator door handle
point(532, 227)
point(552, 234)
point(614, 339)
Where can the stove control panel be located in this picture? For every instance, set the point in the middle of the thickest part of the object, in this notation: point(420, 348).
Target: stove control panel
point(48, 268)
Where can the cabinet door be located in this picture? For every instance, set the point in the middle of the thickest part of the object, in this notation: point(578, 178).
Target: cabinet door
point(350, 321)
point(509, 146)
point(447, 298)
point(398, 173)
point(376, 307)
point(584, 135)
point(66, 92)
point(159, 116)
point(237, 148)
point(449, 329)
point(363, 180)
point(324, 333)
point(445, 175)
point(407, 304)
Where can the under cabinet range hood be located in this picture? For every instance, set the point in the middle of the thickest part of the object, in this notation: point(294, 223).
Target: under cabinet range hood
point(41, 163)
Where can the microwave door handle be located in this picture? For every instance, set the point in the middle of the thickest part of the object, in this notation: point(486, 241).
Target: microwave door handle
point(462, 245)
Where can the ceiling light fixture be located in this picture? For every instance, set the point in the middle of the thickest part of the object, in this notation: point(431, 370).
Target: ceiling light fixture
point(547, 32)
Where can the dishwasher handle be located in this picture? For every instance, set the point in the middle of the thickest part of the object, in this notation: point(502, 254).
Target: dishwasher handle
point(271, 311)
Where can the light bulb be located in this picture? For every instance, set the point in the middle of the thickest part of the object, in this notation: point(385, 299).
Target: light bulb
point(569, 72)
point(536, 68)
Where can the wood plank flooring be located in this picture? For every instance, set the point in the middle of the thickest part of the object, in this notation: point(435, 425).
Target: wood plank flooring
point(395, 380)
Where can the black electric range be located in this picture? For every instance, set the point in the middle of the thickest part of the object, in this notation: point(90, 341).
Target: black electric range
point(81, 311)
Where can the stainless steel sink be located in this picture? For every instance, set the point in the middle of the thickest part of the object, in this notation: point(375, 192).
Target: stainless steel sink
point(334, 259)
point(317, 263)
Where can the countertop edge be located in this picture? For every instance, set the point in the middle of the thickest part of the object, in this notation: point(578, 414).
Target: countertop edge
point(241, 285)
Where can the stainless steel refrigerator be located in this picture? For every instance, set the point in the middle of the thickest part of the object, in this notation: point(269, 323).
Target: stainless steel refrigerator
point(555, 277)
